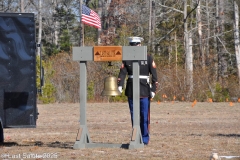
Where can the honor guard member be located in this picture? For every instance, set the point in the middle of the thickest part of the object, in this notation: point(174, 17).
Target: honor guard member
point(147, 90)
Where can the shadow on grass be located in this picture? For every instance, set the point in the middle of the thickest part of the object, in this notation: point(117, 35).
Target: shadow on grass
point(69, 145)
point(56, 144)
point(226, 135)
point(197, 135)
point(9, 144)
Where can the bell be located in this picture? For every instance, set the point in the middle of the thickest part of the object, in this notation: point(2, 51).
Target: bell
point(110, 87)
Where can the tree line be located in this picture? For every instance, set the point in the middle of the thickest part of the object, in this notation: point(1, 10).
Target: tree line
point(195, 44)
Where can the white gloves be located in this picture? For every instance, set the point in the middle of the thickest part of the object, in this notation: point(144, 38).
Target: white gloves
point(152, 94)
point(120, 89)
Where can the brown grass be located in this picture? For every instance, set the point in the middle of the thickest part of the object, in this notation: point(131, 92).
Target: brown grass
point(178, 132)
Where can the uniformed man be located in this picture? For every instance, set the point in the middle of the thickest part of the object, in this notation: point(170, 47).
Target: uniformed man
point(147, 90)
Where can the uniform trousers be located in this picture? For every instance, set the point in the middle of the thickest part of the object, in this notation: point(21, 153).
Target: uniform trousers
point(144, 119)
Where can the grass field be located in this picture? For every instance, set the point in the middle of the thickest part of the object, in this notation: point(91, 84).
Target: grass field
point(178, 132)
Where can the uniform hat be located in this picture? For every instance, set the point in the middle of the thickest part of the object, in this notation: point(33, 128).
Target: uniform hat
point(135, 39)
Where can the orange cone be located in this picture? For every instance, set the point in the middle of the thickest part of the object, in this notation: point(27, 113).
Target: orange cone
point(210, 100)
point(194, 103)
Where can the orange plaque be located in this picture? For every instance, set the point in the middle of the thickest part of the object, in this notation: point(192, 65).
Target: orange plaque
point(107, 53)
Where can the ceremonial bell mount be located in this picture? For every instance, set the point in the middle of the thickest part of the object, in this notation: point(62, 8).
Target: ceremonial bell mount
point(109, 53)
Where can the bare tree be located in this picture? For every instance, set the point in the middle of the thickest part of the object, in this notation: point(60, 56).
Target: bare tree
point(222, 61)
point(153, 25)
point(199, 23)
point(8, 6)
point(208, 29)
point(55, 24)
point(22, 6)
point(40, 25)
point(236, 37)
point(100, 13)
point(189, 56)
point(150, 24)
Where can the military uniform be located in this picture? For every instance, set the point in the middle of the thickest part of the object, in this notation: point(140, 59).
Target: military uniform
point(147, 89)
point(146, 67)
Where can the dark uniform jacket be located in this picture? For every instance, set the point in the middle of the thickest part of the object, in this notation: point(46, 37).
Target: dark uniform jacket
point(147, 68)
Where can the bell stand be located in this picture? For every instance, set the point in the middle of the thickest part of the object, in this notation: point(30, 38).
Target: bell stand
point(84, 54)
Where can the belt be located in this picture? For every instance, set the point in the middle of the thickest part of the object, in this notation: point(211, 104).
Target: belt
point(141, 77)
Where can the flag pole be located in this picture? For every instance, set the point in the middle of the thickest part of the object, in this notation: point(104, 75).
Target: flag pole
point(100, 5)
point(83, 36)
point(81, 28)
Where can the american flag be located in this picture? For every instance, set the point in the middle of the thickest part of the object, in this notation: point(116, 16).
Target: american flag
point(90, 17)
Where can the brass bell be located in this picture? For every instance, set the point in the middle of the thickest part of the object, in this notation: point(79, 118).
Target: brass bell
point(110, 87)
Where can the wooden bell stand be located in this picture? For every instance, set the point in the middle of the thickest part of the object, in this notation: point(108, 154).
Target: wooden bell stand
point(109, 53)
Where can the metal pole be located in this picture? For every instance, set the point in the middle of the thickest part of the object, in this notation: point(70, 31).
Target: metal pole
point(83, 92)
point(83, 137)
point(80, 21)
point(136, 140)
point(136, 96)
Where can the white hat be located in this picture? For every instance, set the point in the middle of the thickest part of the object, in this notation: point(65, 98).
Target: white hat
point(135, 39)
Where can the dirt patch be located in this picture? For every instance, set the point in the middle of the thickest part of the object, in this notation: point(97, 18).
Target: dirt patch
point(178, 132)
